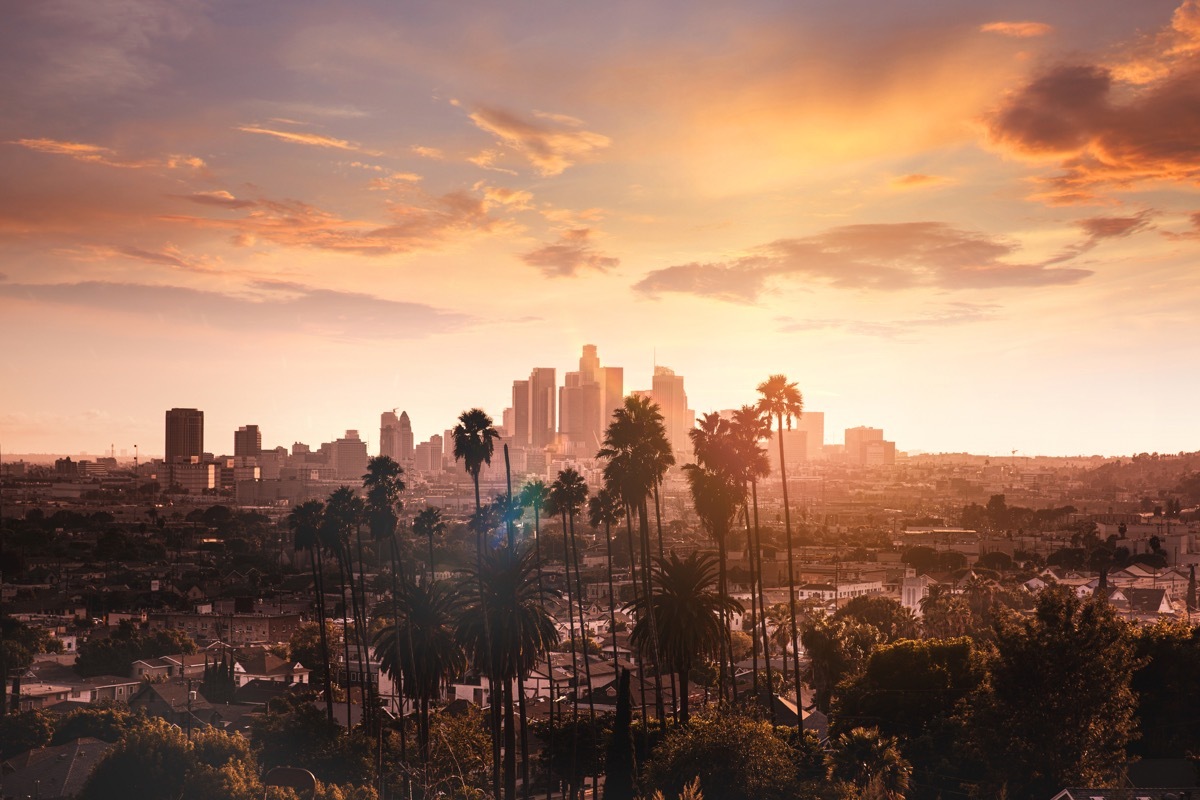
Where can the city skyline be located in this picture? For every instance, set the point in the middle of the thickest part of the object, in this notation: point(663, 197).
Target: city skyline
point(972, 225)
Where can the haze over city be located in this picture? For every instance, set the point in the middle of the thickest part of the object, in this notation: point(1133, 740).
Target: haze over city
point(972, 225)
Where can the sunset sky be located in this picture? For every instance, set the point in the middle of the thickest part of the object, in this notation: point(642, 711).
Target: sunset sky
point(975, 225)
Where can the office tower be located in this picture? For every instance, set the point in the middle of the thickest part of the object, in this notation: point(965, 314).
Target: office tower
point(520, 415)
point(813, 425)
point(185, 434)
point(542, 406)
point(612, 384)
point(348, 457)
point(587, 400)
point(667, 391)
point(866, 446)
point(389, 435)
point(247, 441)
point(406, 438)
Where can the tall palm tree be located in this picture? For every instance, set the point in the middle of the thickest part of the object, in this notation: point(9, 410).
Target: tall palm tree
point(306, 521)
point(504, 630)
point(420, 646)
point(429, 523)
point(750, 427)
point(474, 444)
point(604, 508)
point(343, 515)
point(638, 454)
point(383, 483)
point(783, 401)
point(717, 489)
point(688, 608)
point(569, 493)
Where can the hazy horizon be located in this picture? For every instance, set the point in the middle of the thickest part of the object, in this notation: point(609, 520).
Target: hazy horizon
point(972, 225)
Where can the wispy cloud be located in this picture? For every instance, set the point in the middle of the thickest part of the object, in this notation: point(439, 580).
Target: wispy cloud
point(96, 154)
point(917, 180)
point(572, 254)
point(312, 139)
point(265, 306)
point(1020, 30)
point(882, 257)
point(422, 222)
point(951, 315)
point(550, 142)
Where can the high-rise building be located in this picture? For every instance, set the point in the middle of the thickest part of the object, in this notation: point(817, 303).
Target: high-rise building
point(520, 413)
point(185, 434)
point(667, 391)
point(542, 406)
point(866, 446)
point(587, 400)
point(247, 441)
point(813, 425)
point(396, 436)
point(348, 457)
point(389, 435)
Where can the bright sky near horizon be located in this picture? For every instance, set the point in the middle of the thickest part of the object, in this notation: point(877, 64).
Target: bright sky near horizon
point(975, 225)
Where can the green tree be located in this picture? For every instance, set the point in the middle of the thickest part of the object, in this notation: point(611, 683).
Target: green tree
point(620, 766)
point(871, 763)
point(150, 762)
point(25, 730)
point(891, 619)
point(735, 758)
point(1058, 709)
point(688, 609)
point(1168, 692)
point(837, 649)
point(474, 444)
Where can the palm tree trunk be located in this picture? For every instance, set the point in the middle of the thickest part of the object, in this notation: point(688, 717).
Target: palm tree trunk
point(399, 678)
point(587, 662)
point(526, 785)
point(343, 568)
point(684, 714)
point(641, 663)
point(753, 593)
point(319, 577)
point(487, 635)
point(510, 741)
point(662, 554)
point(787, 525)
point(537, 555)
point(360, 637)
point(644, 526)
point(762, 599)
point(612, 595)
point(431, 558)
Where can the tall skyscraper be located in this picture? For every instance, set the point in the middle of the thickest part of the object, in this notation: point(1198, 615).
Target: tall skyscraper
point(520, 413)
point(406, 438)
point(542, 406)
point(813, 425)
point(389, 435)
point(866, 446)
point(667, 391)
point(587, 400)
point(247, 441)
point(185, 434)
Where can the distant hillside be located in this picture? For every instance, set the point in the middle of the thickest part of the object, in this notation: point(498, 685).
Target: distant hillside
point(1152, 475)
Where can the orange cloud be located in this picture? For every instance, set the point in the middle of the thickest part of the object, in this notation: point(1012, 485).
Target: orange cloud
point(1020, 30)
point(551, 142)
point(916, 181)
point(413, 226)
point(882, 257)
point(570, 255)
point(95, 154)
point(313, 139)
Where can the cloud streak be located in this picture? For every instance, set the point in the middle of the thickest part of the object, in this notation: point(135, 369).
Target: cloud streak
point(874, 257)
point(311, 139)
point(268, 307)
point(952, 315)
point(96, 154)
point(1019, 30)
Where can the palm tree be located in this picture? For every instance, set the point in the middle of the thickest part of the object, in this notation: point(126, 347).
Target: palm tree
point(429, 523)
point(474, 444)
point(638, 454)
point(783, 401)
point(871, 763)
point(425, 624)
point(717, 490)
point(569, 494)
point(605, 509)
point(749, 428)
point(504, 630)
point(688, 609)
point(306, 521)
point(343, 514)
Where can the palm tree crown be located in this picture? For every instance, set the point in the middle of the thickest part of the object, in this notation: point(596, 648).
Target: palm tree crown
point(780, 399)
point(474, 443)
